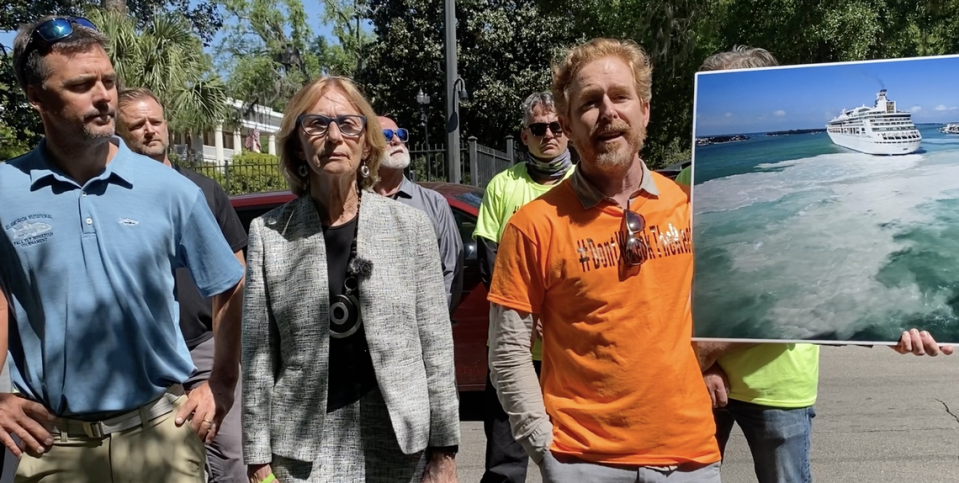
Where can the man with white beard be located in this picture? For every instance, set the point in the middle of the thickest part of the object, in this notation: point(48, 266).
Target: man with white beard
point(394, 184)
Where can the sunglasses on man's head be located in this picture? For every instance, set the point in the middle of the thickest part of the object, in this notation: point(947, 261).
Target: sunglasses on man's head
point(539, 128)
point(633, 245)
point(52, 31)
point(402, 134)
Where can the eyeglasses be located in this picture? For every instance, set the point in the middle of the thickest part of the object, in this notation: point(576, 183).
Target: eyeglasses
point(351, 125)
point(402, 134)
point(633, 246)
point(539, 128)
point(50, 32)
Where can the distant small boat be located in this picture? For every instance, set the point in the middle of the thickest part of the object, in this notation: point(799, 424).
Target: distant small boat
point(880, 129)
point(950, 129)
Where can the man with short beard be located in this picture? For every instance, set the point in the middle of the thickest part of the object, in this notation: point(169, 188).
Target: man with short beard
point(142, 125)
point(394, 184)
point(92, 234)
point(604, 261)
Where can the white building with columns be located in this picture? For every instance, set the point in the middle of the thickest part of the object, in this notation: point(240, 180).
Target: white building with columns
point(220, 145)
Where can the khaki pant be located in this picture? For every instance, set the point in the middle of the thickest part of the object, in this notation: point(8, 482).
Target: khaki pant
point(157, 452)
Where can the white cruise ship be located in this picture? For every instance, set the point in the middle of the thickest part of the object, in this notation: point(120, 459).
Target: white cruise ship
point(880, 129)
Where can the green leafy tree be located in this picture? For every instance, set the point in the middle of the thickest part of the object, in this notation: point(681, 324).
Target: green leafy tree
point(268, 51)
point(504, 52)
point(21, 124)
point(345, 57)
point(679, 35)
point(671, 33)
point(333, 58)
point(201, 18)
point(10, 145)
point(203, 15)
point(167, 58)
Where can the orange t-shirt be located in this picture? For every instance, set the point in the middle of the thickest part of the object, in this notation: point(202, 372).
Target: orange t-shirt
point(621, 381)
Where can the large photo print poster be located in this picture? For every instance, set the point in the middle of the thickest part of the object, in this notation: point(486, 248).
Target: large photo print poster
point(826, 202)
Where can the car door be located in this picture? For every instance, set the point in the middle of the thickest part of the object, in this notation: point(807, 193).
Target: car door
point(471, 318)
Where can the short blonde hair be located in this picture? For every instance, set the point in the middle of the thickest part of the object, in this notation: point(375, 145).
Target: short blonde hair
point(566, 68)
point(300, 104)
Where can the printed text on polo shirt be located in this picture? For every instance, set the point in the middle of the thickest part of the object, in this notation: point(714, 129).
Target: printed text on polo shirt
point(656, 242)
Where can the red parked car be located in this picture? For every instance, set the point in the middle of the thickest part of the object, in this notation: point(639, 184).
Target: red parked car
point(471, 317)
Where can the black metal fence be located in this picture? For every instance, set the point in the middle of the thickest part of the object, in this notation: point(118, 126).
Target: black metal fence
point(254, 174)
point(487, 162)
point(478, 163)
point(428, 162)
point(239, 177)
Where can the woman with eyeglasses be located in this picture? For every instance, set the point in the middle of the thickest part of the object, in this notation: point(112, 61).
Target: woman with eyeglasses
point(348, 368)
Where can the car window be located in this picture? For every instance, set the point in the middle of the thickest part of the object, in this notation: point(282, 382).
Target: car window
point(472, 198)
point(466, 224)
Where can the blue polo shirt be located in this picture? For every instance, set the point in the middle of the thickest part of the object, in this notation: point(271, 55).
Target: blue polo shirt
point(90, 271)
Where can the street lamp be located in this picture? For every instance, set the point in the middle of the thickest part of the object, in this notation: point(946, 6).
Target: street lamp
point(424, 100)
point(461, 93)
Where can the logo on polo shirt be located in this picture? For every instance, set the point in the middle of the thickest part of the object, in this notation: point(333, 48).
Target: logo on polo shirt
point(128, 221)
point(30, 230)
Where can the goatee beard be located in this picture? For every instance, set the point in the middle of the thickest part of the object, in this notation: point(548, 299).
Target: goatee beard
point(151, 152)
point(613, 159)
point(399, 161)
point(92, 134)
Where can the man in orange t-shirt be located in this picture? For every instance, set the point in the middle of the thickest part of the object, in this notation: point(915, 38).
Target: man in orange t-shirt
point(604, 260)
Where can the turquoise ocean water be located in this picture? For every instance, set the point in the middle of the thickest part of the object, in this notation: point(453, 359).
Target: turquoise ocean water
point(800, 239)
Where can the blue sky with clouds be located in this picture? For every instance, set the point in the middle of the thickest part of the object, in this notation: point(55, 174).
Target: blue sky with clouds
point(806, 97)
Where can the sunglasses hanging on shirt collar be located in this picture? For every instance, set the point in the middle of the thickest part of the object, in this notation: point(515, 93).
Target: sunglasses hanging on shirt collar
point(402, 134)
point(633, 245)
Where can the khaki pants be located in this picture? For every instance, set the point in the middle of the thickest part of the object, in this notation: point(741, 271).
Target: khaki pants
point(157, 452)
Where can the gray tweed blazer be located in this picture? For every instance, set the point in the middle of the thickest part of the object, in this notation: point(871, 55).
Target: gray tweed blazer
point(286, 329)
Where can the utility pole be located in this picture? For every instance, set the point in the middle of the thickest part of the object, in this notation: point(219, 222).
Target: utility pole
point(356, 11)
point(452, 116)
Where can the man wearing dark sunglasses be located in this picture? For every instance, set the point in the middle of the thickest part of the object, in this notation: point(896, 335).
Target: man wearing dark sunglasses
point(546, 164)
point(394, 184)
point(92, 234)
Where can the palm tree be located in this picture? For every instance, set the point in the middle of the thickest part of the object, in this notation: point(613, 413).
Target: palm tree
point(166, 57)
point(118, 5)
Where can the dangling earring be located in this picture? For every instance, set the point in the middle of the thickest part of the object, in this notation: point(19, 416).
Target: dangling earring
point(365, 170)
point(303, 171)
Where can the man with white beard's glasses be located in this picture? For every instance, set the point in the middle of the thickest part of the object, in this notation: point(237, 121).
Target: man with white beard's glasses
point(394, 184)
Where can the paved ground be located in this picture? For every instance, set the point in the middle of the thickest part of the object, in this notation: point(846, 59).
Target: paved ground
point(881, 417)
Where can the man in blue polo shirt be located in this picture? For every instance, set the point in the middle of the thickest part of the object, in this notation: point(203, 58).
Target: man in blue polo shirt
point(92, 234)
